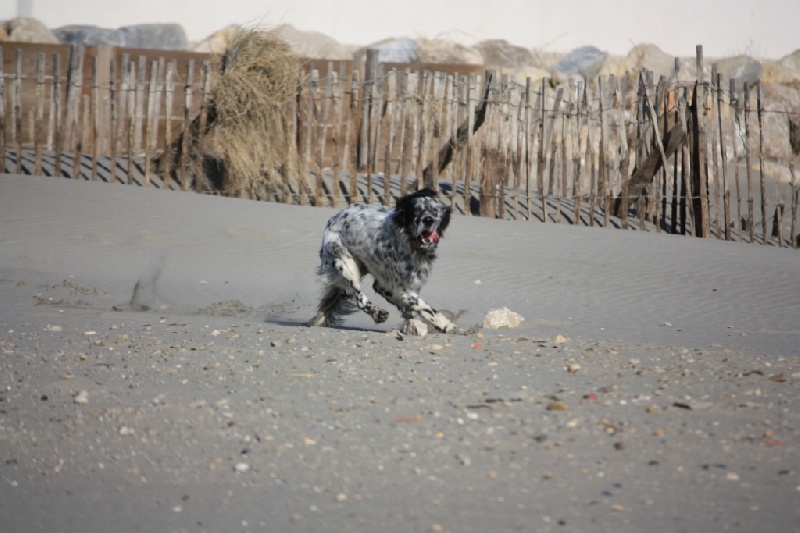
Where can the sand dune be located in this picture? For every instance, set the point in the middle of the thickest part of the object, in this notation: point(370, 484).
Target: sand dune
point(586, 282)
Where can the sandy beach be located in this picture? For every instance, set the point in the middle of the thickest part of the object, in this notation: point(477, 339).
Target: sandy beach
point(156, 375)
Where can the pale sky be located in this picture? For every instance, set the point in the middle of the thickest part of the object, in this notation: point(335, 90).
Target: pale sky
point(761, 28)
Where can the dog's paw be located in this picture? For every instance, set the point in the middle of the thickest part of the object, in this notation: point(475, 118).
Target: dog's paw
point(380, 315)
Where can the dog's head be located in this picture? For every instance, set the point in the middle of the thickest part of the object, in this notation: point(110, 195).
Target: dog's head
point(423, 218)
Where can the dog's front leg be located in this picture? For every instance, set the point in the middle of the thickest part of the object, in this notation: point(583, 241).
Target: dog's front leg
point(412, 306)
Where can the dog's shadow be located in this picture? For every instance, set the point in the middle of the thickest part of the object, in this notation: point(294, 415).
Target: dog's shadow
point(304, 323)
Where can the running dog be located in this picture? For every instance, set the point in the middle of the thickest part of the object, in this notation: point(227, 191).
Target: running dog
point(397, 247)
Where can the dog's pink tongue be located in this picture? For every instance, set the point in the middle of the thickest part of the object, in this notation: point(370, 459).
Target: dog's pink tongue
point(431, 236)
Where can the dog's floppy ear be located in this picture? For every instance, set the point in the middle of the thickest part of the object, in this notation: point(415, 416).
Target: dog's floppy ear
point(404, 210)
point(445, 221)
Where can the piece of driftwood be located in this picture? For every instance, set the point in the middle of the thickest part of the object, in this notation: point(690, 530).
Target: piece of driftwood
point(449, 149)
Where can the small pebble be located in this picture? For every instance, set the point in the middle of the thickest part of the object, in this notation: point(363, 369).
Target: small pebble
point(81, 398)
point(241, 467)
point(557, 406)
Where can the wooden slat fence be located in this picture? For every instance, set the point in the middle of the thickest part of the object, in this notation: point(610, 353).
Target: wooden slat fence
point(631, 152)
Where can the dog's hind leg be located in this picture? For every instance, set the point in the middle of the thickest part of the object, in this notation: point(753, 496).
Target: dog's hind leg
point(344, 271)
point(335, 303)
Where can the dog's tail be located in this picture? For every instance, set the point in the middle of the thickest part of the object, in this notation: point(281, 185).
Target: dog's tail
point(334, 304)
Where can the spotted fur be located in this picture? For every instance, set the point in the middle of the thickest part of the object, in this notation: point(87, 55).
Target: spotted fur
point(397, 247)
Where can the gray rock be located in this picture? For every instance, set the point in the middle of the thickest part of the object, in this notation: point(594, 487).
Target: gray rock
point(501, 53)
point(158, 36)
point(401, 50)
point(312, 44)
point(27, 30)
point(788, 69)
point(743, 68)
point(585, 61)
point(89, 35)
point(647, 56)
point(781, 105)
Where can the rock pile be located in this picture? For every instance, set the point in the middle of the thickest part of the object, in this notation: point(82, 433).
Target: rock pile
point(780, 79)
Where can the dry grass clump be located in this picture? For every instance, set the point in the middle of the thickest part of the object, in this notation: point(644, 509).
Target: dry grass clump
point(253, 145)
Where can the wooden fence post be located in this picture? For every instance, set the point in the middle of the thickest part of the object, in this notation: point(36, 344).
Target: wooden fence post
point(95, 127)
point(748, 169)
point(130, 119)
point(795, 192)
point(205, 102)
point(577, 151)
point(698, 164)
point(325, 125)
point(337, 93)
point(542, 157)
point(169, 96)
point(39, 127)
point(726, 196)
point(624, 149)
point(374, 129)
point(469, 163)
point(112, 119)
point(370, 71)
point(148, 125)
point(2, 114)
point(712, 139)
point(390, 94)
point(762, 182)
point(16, 102)
point(186, 125)
point(352, 138)
point(406, 91)
point(603, 191)
point(74, 87)
point(311, 135)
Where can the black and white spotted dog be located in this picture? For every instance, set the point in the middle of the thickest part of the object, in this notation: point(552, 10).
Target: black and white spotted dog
point(397, 247)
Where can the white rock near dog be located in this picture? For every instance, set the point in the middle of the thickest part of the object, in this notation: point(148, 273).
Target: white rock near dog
point(502, 318)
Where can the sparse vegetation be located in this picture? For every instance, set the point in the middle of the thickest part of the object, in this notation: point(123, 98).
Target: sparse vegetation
point(252, 141)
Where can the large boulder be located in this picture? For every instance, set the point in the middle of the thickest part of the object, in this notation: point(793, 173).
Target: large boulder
point(442, 51)
point(157, 36)
point(645, 56)
point(312, 44)
point(400, 50)
point(28, 30)
point(585, 61)
point(407, 50)
point(743, 68)
point(498, 53)
point(788, 68)
point(217, 42)
point(89, 35)
point(781, 106)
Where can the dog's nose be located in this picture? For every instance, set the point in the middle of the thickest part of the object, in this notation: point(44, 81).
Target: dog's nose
point(428, 221)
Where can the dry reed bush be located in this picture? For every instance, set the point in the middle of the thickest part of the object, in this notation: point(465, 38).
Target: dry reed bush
point(250, 97)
